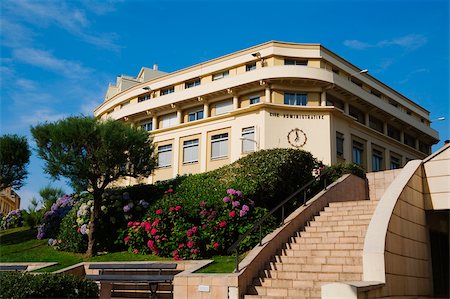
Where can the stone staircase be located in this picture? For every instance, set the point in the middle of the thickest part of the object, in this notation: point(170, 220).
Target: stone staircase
point(328, 250)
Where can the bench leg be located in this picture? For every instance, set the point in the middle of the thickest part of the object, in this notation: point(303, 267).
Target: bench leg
point(153, 286)
point(105, 290)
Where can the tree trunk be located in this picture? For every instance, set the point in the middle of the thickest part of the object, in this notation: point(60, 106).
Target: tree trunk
point(91, 250)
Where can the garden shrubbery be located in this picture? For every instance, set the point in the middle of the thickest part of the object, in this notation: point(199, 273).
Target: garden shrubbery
point(12, 219)
point(25, 285)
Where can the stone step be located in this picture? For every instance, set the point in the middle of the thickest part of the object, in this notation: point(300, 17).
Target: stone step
point(344, 212)
point(334, 217)
point(316, 268)
point(322, 231)
point(345, 223)
point(353, 203)
point(318, 260)
point(285, 292)
point(324, 240)
point(324, 246)
point(320, 252)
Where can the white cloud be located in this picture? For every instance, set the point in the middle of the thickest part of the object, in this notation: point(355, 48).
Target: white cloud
point(87, 108)
point(26, 84)
point(46, 60)
point(384, 65)
point(411, 74)
point(408, 42)
point(35, 117)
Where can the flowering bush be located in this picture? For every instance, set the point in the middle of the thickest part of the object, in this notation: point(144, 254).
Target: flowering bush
point(53, 217)
point(173, 231)
point(13, 219)
point(84, 216)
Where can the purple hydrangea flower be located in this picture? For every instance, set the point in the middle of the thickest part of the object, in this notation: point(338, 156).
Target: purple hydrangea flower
point(83, 229)
point(239, 193)
point(242, 213)
point(50, 242)
point(236, 204)
point(245, 208)
point(226, 199)
point(126, 208)
point(231, 191)
point(144, 204)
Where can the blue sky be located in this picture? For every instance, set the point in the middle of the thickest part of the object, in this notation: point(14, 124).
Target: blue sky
point(57, 57)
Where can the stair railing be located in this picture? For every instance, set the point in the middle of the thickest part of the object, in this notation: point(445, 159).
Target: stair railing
point(260, 222)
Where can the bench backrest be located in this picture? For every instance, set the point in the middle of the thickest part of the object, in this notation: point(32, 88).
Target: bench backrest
point(132, 266)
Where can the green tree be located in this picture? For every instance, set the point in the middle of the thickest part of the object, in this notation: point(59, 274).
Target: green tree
point(92, 154)
point(14, 159)
point(49, 195)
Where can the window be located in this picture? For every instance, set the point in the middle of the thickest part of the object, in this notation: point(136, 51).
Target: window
point(196, 115)
point(299, 99)
point(356, 81)
point(393, 103)
point(377, 160)
point(375, 93)
point(340, 144)
point(169, 120)
point(167, 90)
point(147, 126)
point(356, 113)
point(254, 100)
point(358, 153)
point(190, 151)
point(375, 124)
point(144, 97)
point(219, 146)
point(165, 155)
point(409, 140)
point(295, 62)
point(393, 132)
point(250, 67)
point(395, 162)
point(192, 83)
point(248, 140)
point(224, 107)
point(221, 75)
point(424, 148)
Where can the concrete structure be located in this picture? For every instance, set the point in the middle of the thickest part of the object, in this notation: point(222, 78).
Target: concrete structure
point(9, 200)
point(395, 244)
point(272, 95)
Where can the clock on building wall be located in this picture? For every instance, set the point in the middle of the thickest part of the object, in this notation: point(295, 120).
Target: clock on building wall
point(297, 138)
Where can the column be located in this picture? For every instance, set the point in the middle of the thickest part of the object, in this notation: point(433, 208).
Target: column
point(366, 119)
point(385, 128)
point(155, 122)
point(268, 94)
point(176, 156)
point(347, 108)
point(417, 144)
point(205, 110)
point(323, 99)
point(235, 102)
point(179, 116)
point(402, 137)
point(368, 149)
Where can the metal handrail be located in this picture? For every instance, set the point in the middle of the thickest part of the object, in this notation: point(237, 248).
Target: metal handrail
point(259, 223)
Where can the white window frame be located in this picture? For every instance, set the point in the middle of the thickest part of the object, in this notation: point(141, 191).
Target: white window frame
point(220, 75)
point(147, 126)
point(290, 61)
point(255, 98)
point(250, 66)
point(192, 83)
point(144, 97)
point(165, 150)
point(190, 151)
point(196, 115)
point(298, 98)
point(167, 90)
point(248, 140)
point(222, 141)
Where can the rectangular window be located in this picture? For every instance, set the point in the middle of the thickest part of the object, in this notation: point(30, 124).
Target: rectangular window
point(220, 75)
point(190, 151)
point(377, 160)
point(295, 62)
point(169, 120)
point(248, 140)
point(298, 99)
point(393, 132)
point(254, 100)
point(356, 113)
point(196, 115)
point(250, 67)
point(144, 97)
point(395, 162)
point(192, 83)
point(167, 90)
point(375, 124)
point(409, 140)
point(165, 155)
point(339, 144)
point(147, 126)
point(219, 146)
point(224, 107)
point(424, 148)
point(358, 153)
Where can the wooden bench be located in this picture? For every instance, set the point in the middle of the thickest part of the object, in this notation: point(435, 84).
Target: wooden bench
point(133, 275)
point(13, 267)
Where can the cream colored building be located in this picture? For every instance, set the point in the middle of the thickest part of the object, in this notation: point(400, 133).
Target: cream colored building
point(272, 95)
point(9, 200)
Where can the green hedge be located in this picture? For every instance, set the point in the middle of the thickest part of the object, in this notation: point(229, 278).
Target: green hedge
point(25, 285)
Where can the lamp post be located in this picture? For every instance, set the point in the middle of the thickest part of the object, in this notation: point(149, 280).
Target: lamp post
point(364, 71)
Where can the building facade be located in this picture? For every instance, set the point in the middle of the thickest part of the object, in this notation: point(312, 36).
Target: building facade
point(9, 200)
point(272, 95)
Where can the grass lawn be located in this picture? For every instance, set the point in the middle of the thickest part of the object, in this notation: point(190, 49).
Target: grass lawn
point(20, 245)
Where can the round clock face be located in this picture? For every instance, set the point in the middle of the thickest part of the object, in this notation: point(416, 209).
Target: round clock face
point(296, 138)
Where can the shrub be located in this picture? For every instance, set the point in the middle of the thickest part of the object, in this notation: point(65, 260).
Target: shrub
point(25, 285)
point(71, 238)
point(53, 218)
point(171, 230)
point(334, 172)
point(13, 219)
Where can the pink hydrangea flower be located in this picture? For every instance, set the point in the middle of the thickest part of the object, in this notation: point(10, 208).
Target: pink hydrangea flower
point(232, 214)
point(231, 191)
point(226, 199)
point(242, 213)
point(158, 212)
point(216, 245)
point(239, 193)
point(236, 204)
point(245, 208)
point(126, 239)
